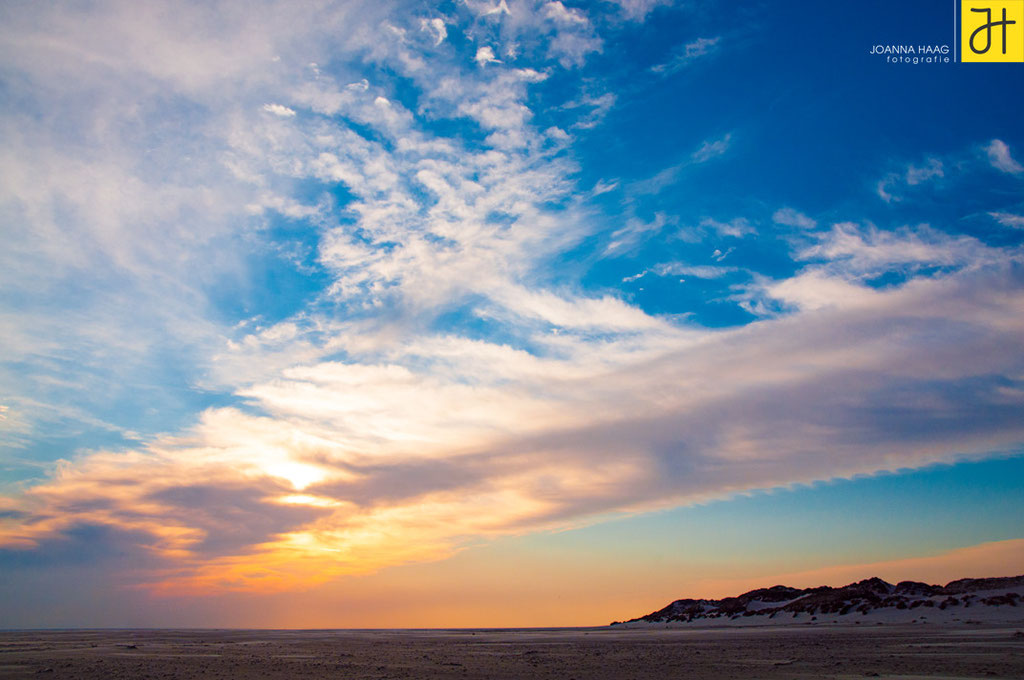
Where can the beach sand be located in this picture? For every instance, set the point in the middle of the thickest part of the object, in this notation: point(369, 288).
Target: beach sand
point(799, 651)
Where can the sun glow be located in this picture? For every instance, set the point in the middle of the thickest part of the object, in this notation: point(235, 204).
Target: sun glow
point(305, 499)
point(299, 475)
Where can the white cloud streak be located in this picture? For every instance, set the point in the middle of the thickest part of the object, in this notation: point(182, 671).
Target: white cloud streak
point(687, 54)
point(737, 227)
point(793, 218)
point(1000, 158)
point(1008, 219)
point(711, 149)
point(912, 176)
point(635, 232)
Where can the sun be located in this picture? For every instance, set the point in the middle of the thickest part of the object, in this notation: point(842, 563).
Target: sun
point(299, 475)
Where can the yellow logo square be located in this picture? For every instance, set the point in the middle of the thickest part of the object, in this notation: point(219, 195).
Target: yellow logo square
point(992, 30)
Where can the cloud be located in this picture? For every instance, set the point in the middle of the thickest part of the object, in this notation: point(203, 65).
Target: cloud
point(664, 178)
point(686, 55)
point(535, 30)
point(279, 110)
point(599, 107)
point(711, 149)
point(634, 232)
point(737, 227)
point(436, 28)
point(485, 55)
point(683, 269)
point(917, 175)
point(559, 13)
point(696, 271)
point(868, 250)
point(653, 185)
point(912, 176)
point(846, 258)
point(1008, 219)
point(793, 218)
point(147, 228)
point(572, 47)
point(500, 9)
point(1000, 158)
point(895, 184)
point(637, 10)
point(882, 189)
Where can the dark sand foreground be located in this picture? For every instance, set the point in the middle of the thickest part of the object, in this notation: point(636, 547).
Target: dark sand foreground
point(904, 651)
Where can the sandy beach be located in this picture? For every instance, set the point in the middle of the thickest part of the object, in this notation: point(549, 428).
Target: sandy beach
point(801, 651)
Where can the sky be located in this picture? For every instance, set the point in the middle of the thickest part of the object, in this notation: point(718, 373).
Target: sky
point(515, 313)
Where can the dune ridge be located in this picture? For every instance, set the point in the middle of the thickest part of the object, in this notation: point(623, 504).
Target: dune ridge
point(965, 600)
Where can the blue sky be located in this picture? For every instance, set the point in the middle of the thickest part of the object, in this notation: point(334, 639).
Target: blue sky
point(391, 291)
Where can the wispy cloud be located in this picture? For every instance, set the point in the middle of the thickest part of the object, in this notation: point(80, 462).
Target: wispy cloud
point(868, 250)
point(711, 149)
point(1008, 219)
point(687, 54)
point(634, 232)
point(737, 227)
point(932, 169)
point(653, 185)
point(708, 149)
point(598, 105)
point(1000, 158)
point(849, 255)
point(637, 10)
point(913, 175)
point(682, 269)
point(882, 189)
point(793, 218)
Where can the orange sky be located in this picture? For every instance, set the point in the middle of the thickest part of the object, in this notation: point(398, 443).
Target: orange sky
point(495, 586)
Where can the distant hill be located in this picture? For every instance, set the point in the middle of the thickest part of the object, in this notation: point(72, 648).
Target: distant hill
point(966, 600)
